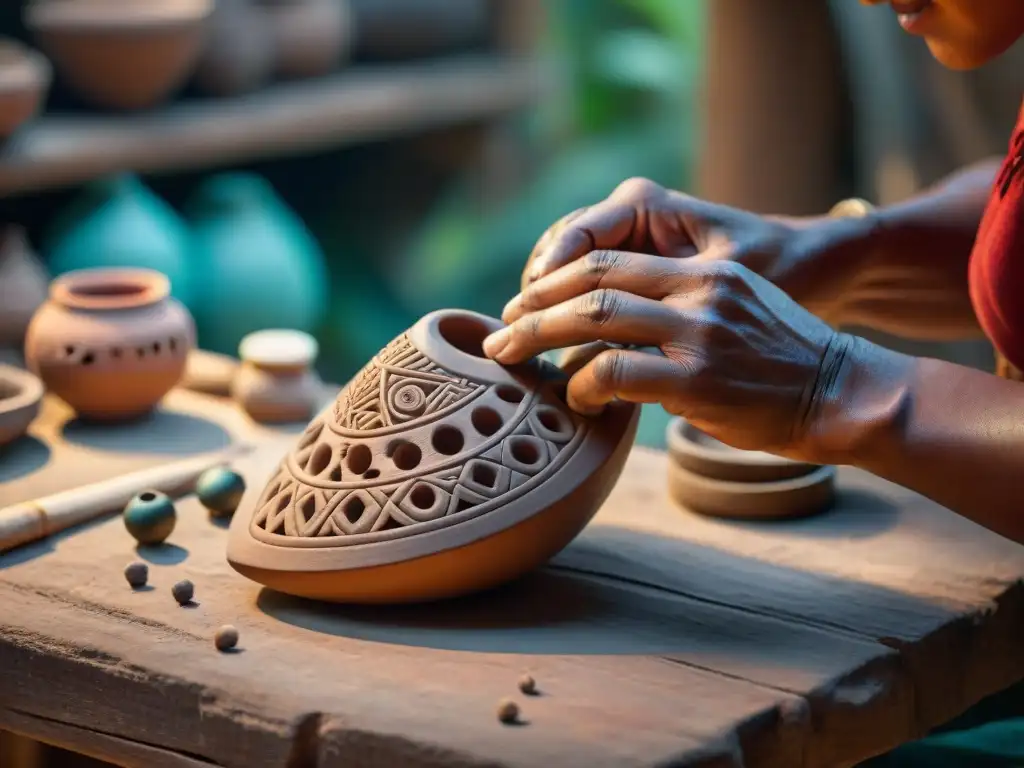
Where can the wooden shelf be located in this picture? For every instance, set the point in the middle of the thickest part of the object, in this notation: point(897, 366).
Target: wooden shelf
point(361, 104)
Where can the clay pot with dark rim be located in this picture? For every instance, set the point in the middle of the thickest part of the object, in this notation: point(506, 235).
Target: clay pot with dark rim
point(121, 55)
point(25, 77)
point(436, 472)
point(21, 394)
point(110, 342)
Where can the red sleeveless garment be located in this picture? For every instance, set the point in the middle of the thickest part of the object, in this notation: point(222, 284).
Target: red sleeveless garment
point(996, 270)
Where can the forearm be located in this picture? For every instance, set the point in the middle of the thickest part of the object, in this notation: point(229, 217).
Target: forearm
point(913, 278)
point(953, 434)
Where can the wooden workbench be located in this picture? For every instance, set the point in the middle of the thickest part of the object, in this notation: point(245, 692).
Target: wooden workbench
point(658, 638)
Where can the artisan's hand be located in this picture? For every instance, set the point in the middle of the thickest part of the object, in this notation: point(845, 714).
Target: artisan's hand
point(741, 360)
point(643, 217)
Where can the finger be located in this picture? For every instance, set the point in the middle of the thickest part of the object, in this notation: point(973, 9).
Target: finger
point(607, 225)
point(574, 358)
point(609, 316)
point(623, 374)
point(653, 277)
point(546, 239)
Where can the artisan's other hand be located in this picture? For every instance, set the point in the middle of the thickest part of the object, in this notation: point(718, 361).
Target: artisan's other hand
point(741, 360)
point(643, 217)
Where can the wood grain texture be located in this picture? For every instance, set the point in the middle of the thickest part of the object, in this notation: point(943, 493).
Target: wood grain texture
point(657, 638)
point(93, 744)
point(372, 102)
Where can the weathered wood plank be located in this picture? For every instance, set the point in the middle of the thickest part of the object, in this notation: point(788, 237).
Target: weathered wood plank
point(372, 102)
point(95, 744)
point(656, 637)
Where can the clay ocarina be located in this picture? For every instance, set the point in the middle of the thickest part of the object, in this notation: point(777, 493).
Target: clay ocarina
point(436, 472)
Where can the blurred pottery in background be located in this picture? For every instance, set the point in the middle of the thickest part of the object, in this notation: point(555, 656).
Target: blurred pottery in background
point(311, 37)
point(24, 285)
point(110, 342)
point(261, 267)
point(121, 55)
point(714, 479)
point(276, 383)
point(436, 472)
point(119, 222)
point(25, 77)
point(239, 55)
point(407, 29)
point(21, 394)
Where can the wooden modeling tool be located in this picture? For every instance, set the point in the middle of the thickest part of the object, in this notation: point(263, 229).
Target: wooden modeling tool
point(37, 519)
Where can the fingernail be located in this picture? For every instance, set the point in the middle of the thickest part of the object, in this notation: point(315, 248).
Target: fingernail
point(583, 410)
point(495, 344)
point(511, 306)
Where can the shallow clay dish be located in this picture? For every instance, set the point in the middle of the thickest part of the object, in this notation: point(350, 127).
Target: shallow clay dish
point(793, 497)
point(700, 454)
point(110, 342)
point(24, 82)
point(20, 396)
point(436, 472)
point(123, 55)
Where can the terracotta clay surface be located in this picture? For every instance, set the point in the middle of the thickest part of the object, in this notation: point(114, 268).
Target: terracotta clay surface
point(657, 637)
point(435, 472)
point(24, 81)
point(121, 55)
point(110, 342)
point(21, 395)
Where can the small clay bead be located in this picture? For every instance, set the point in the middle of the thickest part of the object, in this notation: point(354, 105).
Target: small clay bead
point(220, 490)
point(226, 638)
point(183, 591)
point(137, 574)
point(527, 685)
point(508, 711)
point(150, 517)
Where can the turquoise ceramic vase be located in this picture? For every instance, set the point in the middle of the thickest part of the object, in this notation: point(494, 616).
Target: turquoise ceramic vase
point(119, 222)
point(262, 268)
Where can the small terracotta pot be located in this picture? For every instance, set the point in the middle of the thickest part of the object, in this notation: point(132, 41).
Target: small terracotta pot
point(793, 497)
point(25, 77)
point(436, 472)
point(121, 55)
point(110, 342)
point(21, 394)
point(24, 285)
point(311, 37)
point(239, 55)
point(701, 454)
point(275, 383)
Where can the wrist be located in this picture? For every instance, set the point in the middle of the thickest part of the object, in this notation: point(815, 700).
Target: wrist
point(860, 402)
point(838, 254)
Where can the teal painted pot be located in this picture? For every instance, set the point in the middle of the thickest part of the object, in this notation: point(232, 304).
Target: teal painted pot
point(119, 222)
point(261, 266)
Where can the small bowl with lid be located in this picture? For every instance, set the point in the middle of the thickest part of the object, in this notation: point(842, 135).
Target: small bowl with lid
point(276, 383)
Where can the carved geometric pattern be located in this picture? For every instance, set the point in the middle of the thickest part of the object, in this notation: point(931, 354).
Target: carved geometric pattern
point(398, 386)
point(318, 493)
